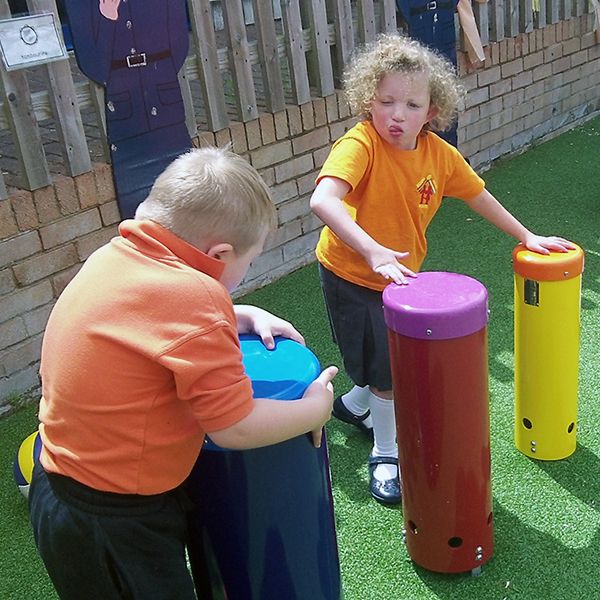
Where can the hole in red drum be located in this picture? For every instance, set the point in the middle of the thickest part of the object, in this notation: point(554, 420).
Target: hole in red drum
point(490, 517)
point(455, 542)
point(413, 527)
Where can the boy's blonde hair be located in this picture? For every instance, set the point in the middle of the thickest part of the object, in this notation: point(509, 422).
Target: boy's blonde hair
point(392, 53)
point(211, 195)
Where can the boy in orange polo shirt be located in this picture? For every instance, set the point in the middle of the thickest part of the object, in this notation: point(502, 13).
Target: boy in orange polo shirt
point(140, 360)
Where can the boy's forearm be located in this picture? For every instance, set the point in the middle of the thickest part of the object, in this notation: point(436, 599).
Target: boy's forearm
point(270, 422)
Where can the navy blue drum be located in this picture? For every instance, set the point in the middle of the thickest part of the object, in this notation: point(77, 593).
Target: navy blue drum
point(263, 525)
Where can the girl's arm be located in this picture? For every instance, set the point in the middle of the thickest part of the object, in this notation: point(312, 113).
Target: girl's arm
point(489, 208)
point(326, 203)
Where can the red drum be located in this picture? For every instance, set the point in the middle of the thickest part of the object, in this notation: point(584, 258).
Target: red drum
point(437, 331)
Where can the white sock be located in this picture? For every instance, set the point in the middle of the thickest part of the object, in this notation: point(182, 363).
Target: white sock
point(384, 432)
point(357, 402)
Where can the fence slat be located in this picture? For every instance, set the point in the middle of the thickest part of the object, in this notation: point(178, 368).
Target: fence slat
point(269, 55)
point(539, 16)
point(188, 102)
point(67, 116)
point(498, 20)
point(341, 13)
point(513, 18)
point(366, 21)
point(97, 98)
point(211, 82)
point(526, 16)
point(320, 69)
point(388, 16)
point(481, 13)
point(553, 10)
point(294, 41)
point(239, 60)
point(3, 190)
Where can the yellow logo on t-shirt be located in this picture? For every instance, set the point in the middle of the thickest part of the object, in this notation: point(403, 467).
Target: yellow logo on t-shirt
point(426, 188)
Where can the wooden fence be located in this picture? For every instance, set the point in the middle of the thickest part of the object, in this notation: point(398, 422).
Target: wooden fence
point(246, 56)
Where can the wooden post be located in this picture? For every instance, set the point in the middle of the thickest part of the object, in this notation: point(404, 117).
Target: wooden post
point(498, 20)
point(98, 101)
point(388, 16)
point(188, 102)
point(320, 68)
point(366, 21)
point(296, 51)
point(526, 16)
point(239, 60)
point(63, 98)
point(268, 54)
point(341, 12)
point(211, 82)
point(23, 124)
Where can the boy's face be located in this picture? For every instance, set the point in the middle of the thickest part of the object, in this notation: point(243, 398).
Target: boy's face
point(401, 107)
point(237, 265)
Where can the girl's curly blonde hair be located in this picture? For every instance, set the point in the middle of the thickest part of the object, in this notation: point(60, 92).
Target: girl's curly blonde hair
point(392, 53)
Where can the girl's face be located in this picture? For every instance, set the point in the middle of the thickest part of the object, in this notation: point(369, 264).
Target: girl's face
point(401, 107)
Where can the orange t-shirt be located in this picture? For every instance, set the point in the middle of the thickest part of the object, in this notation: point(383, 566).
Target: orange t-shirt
point(394, 195)
point(140, 358)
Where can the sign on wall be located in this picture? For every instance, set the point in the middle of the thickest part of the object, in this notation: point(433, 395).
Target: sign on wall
point(30, 40)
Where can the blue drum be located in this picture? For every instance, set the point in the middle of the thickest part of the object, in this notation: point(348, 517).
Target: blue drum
point(263, 525)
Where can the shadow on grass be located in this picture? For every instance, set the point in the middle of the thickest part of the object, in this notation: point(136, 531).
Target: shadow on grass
point(579, 474)
point(528, 564)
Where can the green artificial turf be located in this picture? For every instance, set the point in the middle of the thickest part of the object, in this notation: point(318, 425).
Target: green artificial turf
point(546, 514)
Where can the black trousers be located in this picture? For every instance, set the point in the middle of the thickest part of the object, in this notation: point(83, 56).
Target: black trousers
point(103, 546)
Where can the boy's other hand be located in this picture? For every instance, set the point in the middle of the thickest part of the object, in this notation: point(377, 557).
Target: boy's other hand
point(321, 390)
point(252, 319)
point(545, 245)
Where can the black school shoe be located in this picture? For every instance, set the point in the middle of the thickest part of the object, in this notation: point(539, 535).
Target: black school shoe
point(388, 491)
point(340, 412)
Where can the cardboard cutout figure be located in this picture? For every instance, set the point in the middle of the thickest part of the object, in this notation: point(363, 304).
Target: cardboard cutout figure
point(135, 48)
point(432, 23)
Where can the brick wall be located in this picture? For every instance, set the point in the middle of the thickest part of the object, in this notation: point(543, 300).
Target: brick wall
point(529, 89)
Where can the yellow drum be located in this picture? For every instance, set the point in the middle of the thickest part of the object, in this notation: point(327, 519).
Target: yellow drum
point(547, 313)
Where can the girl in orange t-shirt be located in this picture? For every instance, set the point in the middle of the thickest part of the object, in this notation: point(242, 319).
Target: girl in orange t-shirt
point(377, 192)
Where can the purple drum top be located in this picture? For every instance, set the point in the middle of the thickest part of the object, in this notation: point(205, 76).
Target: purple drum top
point(436, 305)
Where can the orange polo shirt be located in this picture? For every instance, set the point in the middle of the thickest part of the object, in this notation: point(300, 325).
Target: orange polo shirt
point(394, 196)
point(140, 358)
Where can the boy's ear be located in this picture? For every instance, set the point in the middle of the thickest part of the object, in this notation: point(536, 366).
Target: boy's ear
point(221, 251)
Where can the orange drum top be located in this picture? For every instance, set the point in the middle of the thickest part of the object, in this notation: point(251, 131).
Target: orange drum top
point(556, 266)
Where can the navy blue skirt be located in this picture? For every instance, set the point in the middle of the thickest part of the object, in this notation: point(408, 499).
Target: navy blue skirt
point(359, 330)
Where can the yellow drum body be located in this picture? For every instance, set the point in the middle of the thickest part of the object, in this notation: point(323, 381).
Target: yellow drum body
point(547, 324)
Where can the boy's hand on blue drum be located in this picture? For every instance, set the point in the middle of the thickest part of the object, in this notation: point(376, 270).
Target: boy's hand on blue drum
point(252, 319)
point(275, 327)
point(320, 392)
point(545, 245)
